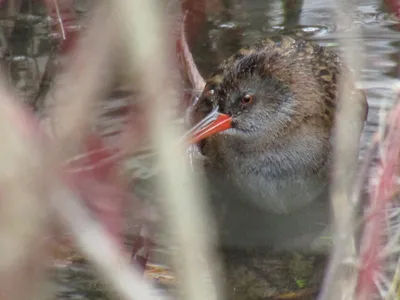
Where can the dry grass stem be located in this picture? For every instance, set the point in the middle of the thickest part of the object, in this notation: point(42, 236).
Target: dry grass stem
point(99, 248)
point(341, 278)
point(182, 199)
point(23, 206)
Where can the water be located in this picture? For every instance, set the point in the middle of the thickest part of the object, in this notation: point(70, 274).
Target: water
point(229, 26)
point(250, 20)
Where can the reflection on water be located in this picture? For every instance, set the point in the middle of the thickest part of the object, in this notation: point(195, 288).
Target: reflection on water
point(25, 44)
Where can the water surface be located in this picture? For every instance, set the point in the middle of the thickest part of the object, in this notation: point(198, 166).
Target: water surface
point(228, 28)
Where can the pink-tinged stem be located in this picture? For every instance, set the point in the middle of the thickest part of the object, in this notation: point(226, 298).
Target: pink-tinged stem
point(196, 17)
point(373, 239)
point(394, 6)
point(380, 197)
point(94, 175)
point(189, 67)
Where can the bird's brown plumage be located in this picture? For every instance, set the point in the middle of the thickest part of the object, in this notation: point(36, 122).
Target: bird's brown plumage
point(277, 156)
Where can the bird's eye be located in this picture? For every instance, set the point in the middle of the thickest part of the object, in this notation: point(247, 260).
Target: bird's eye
point(209, 93)
point(247, 99)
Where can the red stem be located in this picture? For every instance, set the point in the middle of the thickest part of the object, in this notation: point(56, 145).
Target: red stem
point(373, 239)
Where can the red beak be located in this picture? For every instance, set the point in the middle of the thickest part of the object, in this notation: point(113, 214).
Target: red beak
point(223, 122)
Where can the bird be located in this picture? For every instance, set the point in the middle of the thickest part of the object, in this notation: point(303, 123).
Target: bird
point(267, 154)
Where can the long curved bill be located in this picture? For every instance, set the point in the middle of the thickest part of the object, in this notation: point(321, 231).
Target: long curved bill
point(220, 123)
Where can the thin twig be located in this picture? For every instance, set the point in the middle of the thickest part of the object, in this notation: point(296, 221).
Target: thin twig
point(60, 20)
